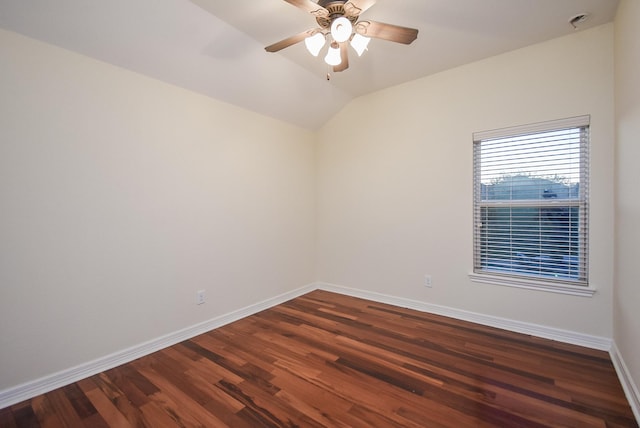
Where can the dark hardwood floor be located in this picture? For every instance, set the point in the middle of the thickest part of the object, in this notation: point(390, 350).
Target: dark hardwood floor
point(325, 359)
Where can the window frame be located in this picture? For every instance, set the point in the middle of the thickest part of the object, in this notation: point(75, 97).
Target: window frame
point(580, 287)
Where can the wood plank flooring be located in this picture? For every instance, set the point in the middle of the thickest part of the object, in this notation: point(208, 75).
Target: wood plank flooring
point(328, 360)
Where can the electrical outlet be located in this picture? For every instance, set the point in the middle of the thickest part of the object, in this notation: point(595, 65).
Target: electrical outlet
point(200, 295)
point(427, 281)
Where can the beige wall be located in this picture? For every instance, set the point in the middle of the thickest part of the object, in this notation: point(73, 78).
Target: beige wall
point(122, 196)
point(626, 309)
point(395, 179)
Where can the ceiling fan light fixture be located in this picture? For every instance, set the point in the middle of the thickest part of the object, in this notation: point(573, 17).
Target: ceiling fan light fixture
point(315, 43)
point(340, 19)
point(341, 29)
point(333, 55)
point(360, 43)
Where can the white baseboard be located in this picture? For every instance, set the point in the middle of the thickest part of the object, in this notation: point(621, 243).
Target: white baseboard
point(65, 377)
point(629, 386)
point(565, 336)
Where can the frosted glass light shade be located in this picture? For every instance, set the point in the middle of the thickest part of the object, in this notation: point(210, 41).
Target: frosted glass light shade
point(341, 29)
point(315, 43)
point(360, 43)
point(333, 56)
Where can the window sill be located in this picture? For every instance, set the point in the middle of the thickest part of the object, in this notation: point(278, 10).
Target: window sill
point(551, 287)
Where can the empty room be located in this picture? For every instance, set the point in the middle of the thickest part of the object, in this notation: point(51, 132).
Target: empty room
point(315, 213)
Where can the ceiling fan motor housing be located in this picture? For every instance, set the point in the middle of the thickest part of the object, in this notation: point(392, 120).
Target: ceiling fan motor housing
point(336, 10)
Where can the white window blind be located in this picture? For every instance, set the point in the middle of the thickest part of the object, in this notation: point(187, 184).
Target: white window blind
point(531, 201)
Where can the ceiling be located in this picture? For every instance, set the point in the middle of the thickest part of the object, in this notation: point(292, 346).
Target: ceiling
point(216, 47)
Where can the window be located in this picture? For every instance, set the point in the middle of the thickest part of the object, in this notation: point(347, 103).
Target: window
point(531, 205)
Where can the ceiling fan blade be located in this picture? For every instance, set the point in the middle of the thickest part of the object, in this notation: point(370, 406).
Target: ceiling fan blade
point(380, 30)
point(356, 7)
point(309, 6)
point(344, 56)
point(289, 41)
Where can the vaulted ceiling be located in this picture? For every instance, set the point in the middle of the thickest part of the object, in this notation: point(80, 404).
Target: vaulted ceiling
point(216, 47)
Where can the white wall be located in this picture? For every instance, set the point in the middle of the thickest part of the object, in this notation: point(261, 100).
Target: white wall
point(395, 179)
point(121, 196)
point(626, 307)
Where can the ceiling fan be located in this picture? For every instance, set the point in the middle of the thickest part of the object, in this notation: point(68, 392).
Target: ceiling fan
point(339, 19)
